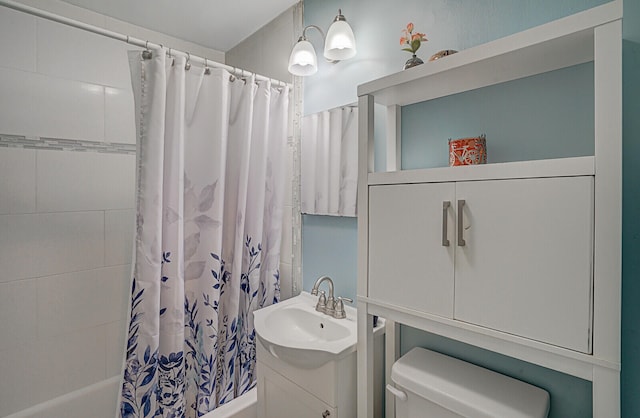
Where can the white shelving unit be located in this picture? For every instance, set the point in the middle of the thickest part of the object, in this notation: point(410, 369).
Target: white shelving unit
point(594, 35)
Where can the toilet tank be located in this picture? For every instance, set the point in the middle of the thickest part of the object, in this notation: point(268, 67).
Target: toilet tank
point(430, 384)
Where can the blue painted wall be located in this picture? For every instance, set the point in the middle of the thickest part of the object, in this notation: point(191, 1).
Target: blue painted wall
point(460, 24)
point(329, 245)
point(449, 24)
point(547, 116)
point(631, 210)
point(630, 378)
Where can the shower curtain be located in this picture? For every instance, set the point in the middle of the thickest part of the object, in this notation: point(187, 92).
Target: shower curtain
point(210, 188)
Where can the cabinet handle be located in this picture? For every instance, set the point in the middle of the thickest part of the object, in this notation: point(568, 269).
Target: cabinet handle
point(461, 241)
point(326, 413)
point(445, 206)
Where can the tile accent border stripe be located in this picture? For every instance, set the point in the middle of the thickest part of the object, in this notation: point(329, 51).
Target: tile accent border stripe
point(60, 144)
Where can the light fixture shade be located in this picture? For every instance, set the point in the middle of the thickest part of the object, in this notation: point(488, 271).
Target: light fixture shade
point(340, 43)
point(303, 60)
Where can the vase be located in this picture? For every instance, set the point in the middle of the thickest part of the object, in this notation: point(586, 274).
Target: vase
point(412, 62)
point(441, 54)
point(468, 151)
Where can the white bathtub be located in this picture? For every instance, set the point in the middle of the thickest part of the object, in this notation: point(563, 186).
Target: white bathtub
point(244, 406)
point(99, 400)
point(96, 401)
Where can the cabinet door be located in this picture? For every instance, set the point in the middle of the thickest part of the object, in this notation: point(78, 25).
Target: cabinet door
point(526, 266)
point(408, 264)
point(278, 397)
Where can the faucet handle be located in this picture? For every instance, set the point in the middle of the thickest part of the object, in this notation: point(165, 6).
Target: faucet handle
point(339, 311)
point(321, 306)
point(330, 309)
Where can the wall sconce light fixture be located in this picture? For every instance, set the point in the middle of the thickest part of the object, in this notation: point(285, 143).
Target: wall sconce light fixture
point(339, 44)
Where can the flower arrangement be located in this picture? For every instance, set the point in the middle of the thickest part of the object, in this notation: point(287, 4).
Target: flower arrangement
point(411, 41)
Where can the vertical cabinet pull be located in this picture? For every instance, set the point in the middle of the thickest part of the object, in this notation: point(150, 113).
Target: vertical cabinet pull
point(445, 206)
point(461, 241)
point(326, 413)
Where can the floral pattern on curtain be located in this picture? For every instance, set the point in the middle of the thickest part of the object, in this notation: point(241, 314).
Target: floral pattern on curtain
point(210, 190)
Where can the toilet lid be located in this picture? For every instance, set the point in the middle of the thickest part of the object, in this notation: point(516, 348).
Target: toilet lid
point(467, 389)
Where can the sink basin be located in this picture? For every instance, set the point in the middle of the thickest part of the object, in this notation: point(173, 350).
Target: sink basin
point(296, 333)
point(299, 326)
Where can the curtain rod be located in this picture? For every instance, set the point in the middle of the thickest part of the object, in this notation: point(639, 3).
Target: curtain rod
point(131, 40)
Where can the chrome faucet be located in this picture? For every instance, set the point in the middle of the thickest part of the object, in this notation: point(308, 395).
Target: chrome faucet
point(324, 305)
point(329, 305)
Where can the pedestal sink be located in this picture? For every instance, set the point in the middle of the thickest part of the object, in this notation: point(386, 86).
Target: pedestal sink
point(294, 332)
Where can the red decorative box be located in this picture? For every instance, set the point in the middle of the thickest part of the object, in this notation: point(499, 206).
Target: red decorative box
point(468, 151)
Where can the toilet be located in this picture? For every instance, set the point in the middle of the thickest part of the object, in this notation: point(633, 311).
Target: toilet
point(432, 385)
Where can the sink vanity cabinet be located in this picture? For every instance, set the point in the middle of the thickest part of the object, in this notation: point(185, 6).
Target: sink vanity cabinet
point(520, 257)
point(285, 391)
point(307, 360)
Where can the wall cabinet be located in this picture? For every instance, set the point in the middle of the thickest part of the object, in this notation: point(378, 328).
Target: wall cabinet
point(526, 266)
point(510, 255)
point(521, 258)
point(408, 264)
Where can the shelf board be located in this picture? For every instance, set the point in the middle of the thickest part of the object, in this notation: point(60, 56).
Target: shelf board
point(550, 356)
point(559, 167)
point(559, 44)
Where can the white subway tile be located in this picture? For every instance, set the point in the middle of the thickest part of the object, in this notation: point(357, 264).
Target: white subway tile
point(75, 181)
point(18, 375)
point(17, 180)
point(69, 109)
point(119, 119)
point(118, 229)
point(71, 302)
point(17, 40)
point(17, 95)
point(74, 54)
point(115, 333)
point(36, 245)
point(17, 313)
point(57, 108)
point(67, 363)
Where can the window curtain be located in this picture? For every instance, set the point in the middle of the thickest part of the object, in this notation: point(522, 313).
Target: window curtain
point(210, 190)
point(329, 162)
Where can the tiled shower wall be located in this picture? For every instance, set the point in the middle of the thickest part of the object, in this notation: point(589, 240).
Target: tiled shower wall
point(67, 175)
